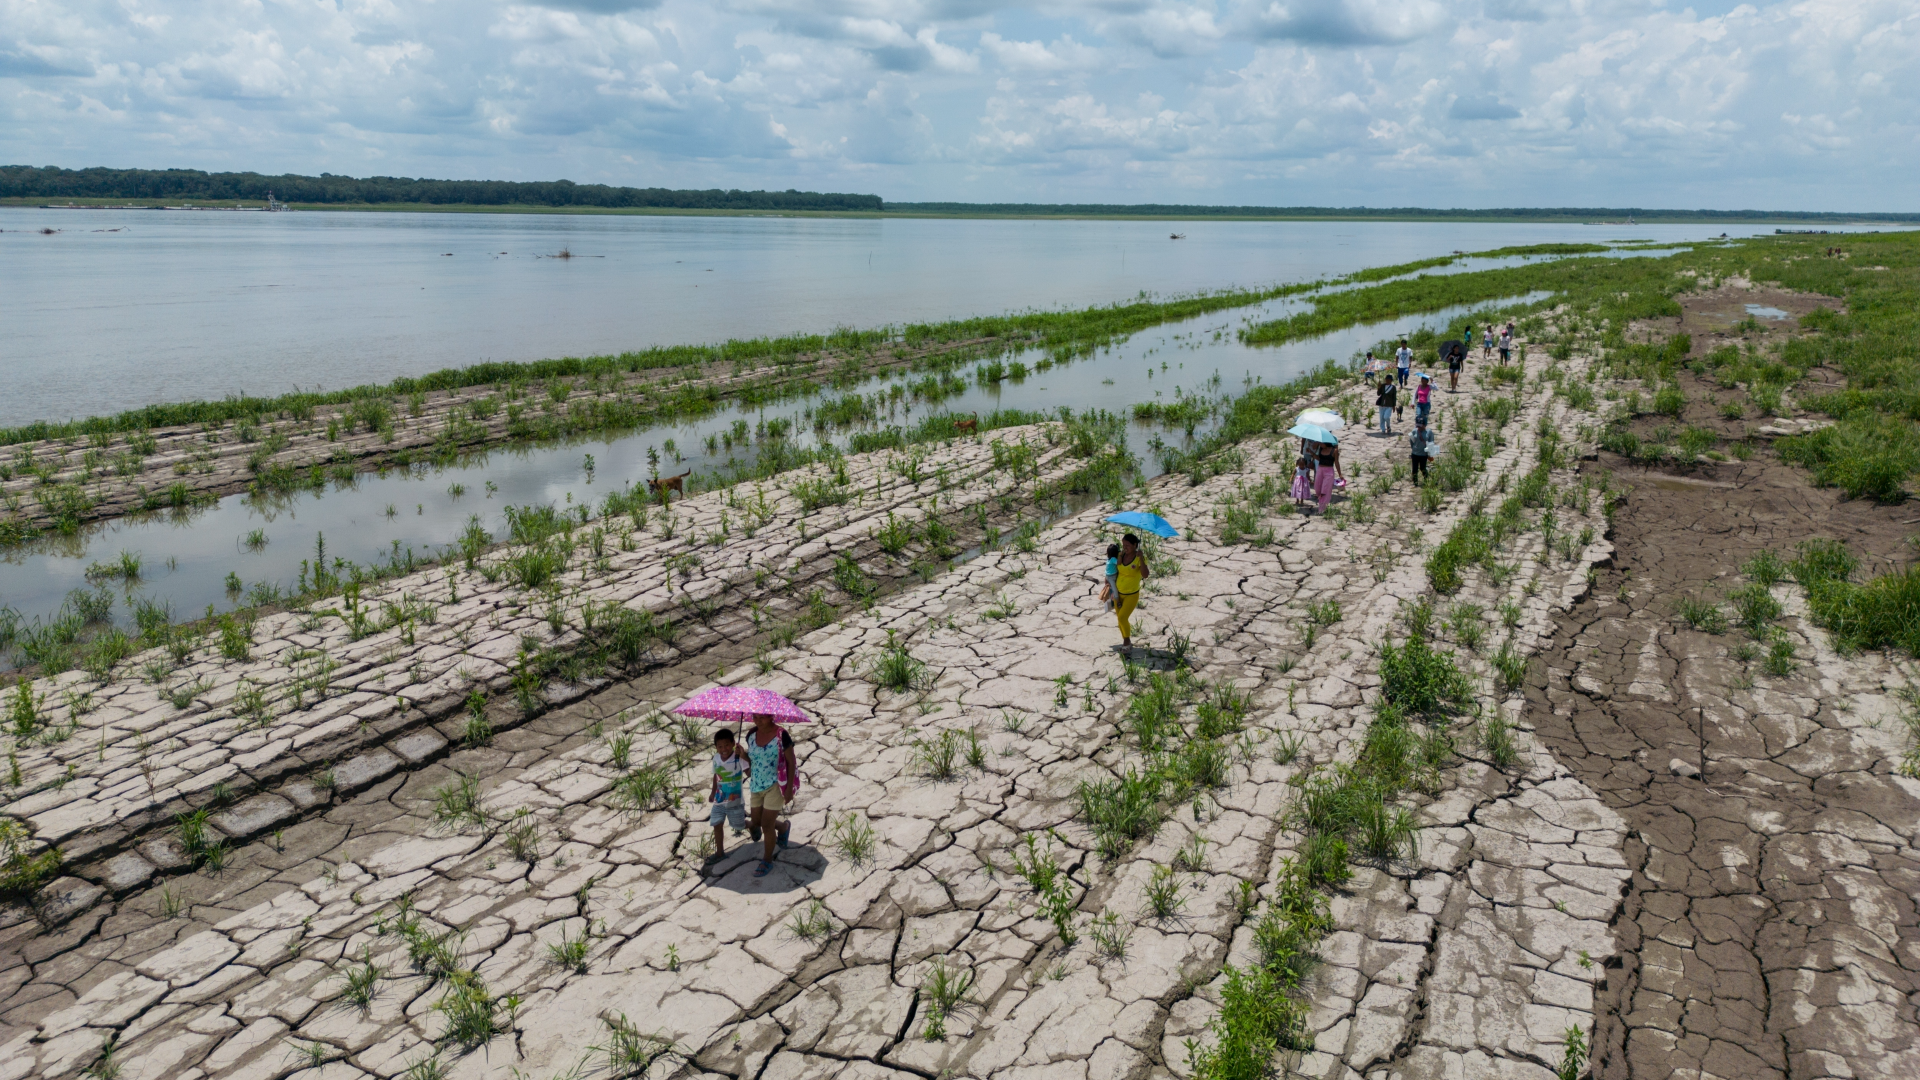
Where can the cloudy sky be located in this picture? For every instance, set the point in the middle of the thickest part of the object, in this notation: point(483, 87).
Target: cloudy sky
point(1810, 105)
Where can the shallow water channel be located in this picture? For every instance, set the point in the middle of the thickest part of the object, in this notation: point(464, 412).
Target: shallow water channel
point(186, 557)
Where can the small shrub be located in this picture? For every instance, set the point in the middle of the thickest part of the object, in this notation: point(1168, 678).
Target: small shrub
point(1670, 400)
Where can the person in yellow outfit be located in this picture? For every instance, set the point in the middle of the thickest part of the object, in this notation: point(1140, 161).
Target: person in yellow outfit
point(1133, 571)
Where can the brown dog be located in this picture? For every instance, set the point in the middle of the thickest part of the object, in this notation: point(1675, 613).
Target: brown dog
point(665, 484)
point(972, 425)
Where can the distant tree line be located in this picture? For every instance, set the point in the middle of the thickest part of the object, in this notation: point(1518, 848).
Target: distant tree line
point(26, 181)
point(1348, 213)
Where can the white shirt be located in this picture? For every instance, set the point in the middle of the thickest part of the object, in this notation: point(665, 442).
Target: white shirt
point(1404, 356)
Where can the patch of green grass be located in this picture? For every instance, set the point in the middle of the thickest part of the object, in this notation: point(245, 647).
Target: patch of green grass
point(853, 837)
point(896, 669)
point(569, 953)
point(1756, 606)
point(1122, 810)
point(1496, 738)
point(457, 803)
point(1767, 568)
point(471, 1011)
point(1703, 615)
point(937, 758)
point(1419, 679)
point(1164, 893)
point(630, 1052)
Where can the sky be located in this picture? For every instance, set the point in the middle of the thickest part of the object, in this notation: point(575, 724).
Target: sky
point(1483, 103)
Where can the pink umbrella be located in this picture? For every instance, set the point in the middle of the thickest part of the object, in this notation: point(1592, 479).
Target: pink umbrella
point(742, 704)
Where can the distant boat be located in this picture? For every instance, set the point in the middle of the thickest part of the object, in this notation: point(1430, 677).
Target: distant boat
point(1177, 236)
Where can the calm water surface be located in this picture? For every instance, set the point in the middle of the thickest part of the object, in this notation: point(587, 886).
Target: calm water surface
point(185, 305)
point(178, 305)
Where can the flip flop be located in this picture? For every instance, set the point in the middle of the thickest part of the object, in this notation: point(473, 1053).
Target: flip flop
point(763, 869)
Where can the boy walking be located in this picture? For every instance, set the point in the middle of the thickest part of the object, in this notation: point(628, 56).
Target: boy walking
point(1421, 442)
point(1403, 362)
point(728, 793)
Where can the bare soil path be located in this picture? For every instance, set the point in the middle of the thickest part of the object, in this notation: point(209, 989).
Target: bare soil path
point(1770, 929)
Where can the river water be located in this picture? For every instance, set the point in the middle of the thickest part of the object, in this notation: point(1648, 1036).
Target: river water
point(178, 305)
point(162, 311)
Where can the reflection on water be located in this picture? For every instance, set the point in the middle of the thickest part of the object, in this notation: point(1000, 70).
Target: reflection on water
point(1765, 311)
point(181, 306)
point(189, 560)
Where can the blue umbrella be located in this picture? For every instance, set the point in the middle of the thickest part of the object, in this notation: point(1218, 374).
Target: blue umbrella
point(1145, 522)
point(1314, 432)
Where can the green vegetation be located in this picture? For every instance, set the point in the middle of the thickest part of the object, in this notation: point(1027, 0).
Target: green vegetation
point(1882, 613)
point(174, 185)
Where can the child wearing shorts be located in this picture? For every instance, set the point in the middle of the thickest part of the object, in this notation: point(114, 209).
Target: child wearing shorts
point(728, 793)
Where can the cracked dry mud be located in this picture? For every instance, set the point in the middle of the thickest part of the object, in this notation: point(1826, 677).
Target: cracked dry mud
point(1472, 959)
point(1520, 916)
point(326, 703)
point(1770, 928)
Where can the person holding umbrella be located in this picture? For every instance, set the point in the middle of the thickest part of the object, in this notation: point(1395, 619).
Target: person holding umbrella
point(773, 773)
point(773, 776)
point(1322, 447)
point(1133, 570)
point(1327, 470)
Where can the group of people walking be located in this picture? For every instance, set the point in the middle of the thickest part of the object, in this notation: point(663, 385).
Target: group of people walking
point(1317, 471)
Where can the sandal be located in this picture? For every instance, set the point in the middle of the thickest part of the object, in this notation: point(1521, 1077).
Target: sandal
point(763, 869)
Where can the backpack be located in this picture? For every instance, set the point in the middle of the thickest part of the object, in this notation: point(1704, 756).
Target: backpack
point(780, 777)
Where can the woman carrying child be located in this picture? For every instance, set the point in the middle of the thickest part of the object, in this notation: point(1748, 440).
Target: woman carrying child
point(1127, 578)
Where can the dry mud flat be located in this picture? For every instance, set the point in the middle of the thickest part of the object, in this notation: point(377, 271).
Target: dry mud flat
point(1770, 927)
point(1471, 959)
point(382, 680)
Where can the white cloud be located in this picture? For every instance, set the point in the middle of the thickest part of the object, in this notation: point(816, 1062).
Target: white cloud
point(1339, 101)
